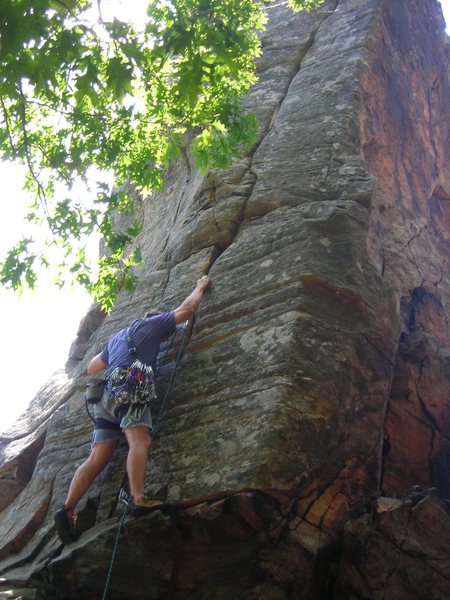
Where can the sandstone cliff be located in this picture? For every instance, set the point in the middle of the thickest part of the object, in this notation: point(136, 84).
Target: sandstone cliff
point(310, 415)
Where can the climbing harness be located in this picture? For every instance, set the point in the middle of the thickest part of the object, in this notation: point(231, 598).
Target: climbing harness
point(124, 496)
point(137, 373)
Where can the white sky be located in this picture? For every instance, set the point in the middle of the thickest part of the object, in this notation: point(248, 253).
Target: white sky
point(39, 327)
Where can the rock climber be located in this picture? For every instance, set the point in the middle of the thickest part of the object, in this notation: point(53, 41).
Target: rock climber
point(125, 406)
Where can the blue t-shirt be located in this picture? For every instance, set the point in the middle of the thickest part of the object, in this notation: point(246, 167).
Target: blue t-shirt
point(146, 335)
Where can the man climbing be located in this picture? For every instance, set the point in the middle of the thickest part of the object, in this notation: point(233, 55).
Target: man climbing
point(125, 405)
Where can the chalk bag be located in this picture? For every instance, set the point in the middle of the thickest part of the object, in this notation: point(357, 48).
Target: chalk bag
point(94, 390)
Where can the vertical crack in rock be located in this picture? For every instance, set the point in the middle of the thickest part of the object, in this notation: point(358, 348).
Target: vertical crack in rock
point(187, 180)
point(264, 132)
point(271, 121)
point(431, 127)
point(304, 50)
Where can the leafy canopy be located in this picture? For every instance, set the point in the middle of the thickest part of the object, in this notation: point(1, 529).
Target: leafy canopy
point(79, 91)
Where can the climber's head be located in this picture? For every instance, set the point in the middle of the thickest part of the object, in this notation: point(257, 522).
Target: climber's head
point(153, 312)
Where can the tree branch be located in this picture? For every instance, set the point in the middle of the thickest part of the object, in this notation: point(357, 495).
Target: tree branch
point(8, 128)
point(61, 3)
point(100, 16)
point(40, 189)
point(50, 107)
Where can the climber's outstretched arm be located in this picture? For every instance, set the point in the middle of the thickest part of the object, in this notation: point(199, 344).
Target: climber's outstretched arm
point(191, 303)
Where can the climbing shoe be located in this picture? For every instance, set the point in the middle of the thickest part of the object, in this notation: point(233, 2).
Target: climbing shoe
point(64, 526)
point(146, 506)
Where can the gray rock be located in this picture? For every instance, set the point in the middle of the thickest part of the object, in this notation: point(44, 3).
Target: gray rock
point(315, 379)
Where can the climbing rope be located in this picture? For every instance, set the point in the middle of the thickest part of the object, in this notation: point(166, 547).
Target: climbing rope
point(187, 326)
point(114, 552)
point(123, 495)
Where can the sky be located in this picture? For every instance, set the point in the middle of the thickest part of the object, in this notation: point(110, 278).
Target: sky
point(39, 327)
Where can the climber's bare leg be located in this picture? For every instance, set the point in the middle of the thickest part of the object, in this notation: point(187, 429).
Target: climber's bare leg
point(99, 457)
point(139, 441)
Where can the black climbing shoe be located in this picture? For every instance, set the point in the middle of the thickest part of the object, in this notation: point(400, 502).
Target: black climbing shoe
point(66, 531)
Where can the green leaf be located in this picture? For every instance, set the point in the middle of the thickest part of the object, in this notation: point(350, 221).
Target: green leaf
point(75, 96)
point(17, 270)
point(308, 5)
point(119, 78)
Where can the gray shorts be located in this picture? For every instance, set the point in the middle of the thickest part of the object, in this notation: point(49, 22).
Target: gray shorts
point(109, 426)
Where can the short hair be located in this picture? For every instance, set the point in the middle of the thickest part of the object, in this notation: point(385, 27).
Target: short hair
point(152, 313)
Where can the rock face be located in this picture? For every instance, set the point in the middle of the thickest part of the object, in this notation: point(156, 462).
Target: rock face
point(311, 412)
